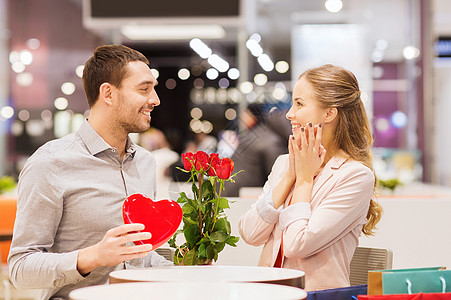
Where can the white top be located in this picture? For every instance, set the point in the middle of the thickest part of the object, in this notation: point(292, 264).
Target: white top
point(189, 291)
point(207, 274)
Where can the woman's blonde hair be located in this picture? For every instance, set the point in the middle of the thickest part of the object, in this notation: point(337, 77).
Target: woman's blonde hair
point(337, 87)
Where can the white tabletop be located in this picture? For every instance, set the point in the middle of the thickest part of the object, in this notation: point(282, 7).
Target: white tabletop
point(211, 274)
point(188, 291)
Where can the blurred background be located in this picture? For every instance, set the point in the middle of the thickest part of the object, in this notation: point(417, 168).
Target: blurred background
point(215, 58)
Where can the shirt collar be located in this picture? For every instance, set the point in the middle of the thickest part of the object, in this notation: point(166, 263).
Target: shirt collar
point(96, 144)
point(336, 162)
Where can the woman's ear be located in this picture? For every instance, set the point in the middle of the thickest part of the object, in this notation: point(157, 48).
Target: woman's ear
point(331, 115)
point(106, 93)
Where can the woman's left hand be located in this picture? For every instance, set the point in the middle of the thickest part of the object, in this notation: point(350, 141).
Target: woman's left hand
point(309, 153)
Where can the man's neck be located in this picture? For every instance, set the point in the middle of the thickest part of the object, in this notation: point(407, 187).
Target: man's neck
point(113, 137)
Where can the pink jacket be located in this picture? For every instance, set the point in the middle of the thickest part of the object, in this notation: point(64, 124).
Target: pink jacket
point(319, 237)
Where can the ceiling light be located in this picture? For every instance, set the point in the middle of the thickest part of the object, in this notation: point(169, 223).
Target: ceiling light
point(26, 57)
point(200, 47)
point(61, 103)
point(155, 73)
point(233, 73)
point(282, 66)
point(260, 79)
point(265, 62)
point(246, 87)
point(212, 74)
point(7, 112)
point(183, 74)
point(411, 52)
point(218, 63)
point(79, 70)
point(68, 88)
point(172, 32)
point(333, 6)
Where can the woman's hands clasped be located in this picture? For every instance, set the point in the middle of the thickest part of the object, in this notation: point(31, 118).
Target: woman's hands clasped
point(306, 154)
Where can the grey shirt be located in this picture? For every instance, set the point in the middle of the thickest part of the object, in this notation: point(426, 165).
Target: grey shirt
point(70, 193)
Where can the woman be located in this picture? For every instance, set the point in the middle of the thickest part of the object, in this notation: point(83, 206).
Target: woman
point(317, 199)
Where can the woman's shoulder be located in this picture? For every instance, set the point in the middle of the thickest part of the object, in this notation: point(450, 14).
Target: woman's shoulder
point(354, 167)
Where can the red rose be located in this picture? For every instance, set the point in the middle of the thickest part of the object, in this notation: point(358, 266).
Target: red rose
point(225, 168)
point(214, 161)
point(201, 163)
point(188, 160)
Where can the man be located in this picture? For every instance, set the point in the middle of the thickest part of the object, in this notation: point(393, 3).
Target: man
point(69, 231)
point(263, 140)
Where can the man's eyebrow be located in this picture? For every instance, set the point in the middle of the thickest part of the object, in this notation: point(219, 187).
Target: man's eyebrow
point(149, 82)
point(298, 98)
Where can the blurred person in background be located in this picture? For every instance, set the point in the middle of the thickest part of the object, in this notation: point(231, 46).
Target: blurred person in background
point(259, 145)
point(69, 232)
point(155, 141)
point(318, 198)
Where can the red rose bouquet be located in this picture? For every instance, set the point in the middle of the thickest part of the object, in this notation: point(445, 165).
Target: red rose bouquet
point(205, 225)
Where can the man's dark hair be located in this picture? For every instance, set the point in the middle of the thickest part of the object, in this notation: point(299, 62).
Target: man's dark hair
point(107, 64)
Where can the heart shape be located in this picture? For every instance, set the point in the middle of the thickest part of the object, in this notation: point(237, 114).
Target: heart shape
point(161, 218)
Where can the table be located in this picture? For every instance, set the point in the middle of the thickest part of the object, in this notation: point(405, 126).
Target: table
point(188, 291)
point(211, 274)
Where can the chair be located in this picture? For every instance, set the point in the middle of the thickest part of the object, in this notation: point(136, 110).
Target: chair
point(365, 259)
point(167, 253)
point(7, 290)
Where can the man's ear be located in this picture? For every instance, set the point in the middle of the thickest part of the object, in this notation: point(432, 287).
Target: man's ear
point(331, 115)
point(106, 93)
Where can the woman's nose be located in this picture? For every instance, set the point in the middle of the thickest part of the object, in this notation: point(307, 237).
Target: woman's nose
point(289, 113)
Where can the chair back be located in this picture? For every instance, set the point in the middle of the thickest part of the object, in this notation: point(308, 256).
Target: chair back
point(167, 253)
point(7, 217)
point(367, 258)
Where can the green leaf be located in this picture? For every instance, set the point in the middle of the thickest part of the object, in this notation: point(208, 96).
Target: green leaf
point(208, 222)
point(189, 221)
point(187, 208)
point(195, 190)
point(223, 225)
point(207, 190)
point(220, 246)
point(202, 207)
point(188, 259)
point(232, 240)
point(192, 235)
point(211, 252)
point(223, 203)
point(202, 252)
point(219, 236)
point(182, 198)
point(203, 240)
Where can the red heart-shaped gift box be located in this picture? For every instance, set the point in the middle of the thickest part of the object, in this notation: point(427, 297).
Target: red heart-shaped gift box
point(161, 218)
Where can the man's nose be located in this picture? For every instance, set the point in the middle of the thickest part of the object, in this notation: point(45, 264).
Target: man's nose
point(154, 99)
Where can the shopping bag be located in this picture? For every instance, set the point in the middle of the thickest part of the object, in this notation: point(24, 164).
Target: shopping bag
point(375, 277)
point(432, 281)
point(345, 293)
point(419, 296)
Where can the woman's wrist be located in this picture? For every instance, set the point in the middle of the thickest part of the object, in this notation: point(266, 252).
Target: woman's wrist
point(288, 179)
point(302, 192)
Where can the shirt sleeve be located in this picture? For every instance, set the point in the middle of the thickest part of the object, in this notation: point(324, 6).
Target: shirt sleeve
point(39, 211)
point(342, 209)
point(257, 224)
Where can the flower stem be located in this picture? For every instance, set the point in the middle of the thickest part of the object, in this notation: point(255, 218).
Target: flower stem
point(221, 187)
point(201, 179)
